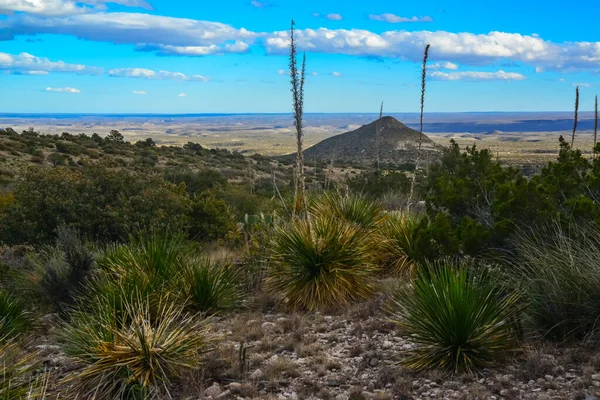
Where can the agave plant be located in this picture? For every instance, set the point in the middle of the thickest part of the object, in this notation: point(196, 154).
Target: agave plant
point(358, 210)
point(213, 286)
point(14, 320)
point(320, 263)
point(398, 249)
point(132, 352)
point(459, 320)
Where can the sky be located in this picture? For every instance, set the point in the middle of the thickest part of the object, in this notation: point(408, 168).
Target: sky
point(230, 56)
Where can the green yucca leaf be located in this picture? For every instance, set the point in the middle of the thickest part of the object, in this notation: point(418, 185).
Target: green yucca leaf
point(14, 320)
point(321, 263)
point(459, 320)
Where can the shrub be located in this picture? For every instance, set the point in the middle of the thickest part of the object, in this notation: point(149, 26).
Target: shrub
point(65, 269)
point(322, 263)
point(398, 251)
point(132, 352)
point(358, 210)
point(213, 286)
point(458, 319)
point(14, 319)
point(559, 272)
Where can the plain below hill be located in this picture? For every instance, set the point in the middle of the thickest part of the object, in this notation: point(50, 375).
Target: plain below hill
point(398, 144)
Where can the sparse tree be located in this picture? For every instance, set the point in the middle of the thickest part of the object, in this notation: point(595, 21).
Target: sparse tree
point(115, 136)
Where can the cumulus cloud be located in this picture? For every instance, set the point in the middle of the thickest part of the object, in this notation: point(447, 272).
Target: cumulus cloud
point(477, 76)
point(64, 7)
point(63, 90)
point(581, 84)
point(237, 47)
point(443, 65)
point(314, 73)
point(140, 92)
point(165, 35)
point(395, 19)
point(281, 72)
point(182, 94)
point(28, 64)
point(259, 4)
point(151, 74)
point(463, 48)
point(334, 17)
point(336, 74)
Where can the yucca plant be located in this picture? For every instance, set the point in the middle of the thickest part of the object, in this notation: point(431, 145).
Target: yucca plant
point(398, 249)
point(212, 287)
point(459, 320)
point(14, 319)
point(131, 353)
point(321, 264)
point(358, 210)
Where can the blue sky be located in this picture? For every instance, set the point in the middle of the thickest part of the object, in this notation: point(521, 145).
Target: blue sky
point(194, 56)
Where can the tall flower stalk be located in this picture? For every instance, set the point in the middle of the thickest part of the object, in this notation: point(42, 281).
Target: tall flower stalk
point(297, 82)
point(576, 116)
point(423, 82)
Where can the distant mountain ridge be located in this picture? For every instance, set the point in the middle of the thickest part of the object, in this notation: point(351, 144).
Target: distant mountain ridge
point(398, 143)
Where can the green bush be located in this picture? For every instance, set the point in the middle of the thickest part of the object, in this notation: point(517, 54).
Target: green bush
point(458, 319)
point(324, 263)
point(559, 272)
point(135, 351)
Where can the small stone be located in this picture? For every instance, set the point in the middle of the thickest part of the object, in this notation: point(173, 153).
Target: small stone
point(591, 397)
point(225, 395)
point(235, 387)
point(256, 375)
point(386, 345)
point(268, 325)
point(213, 391)
point(341, 396)
point(374, 362)
point(596, 377)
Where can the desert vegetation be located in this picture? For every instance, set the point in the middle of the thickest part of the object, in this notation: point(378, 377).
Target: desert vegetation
point(135, 271)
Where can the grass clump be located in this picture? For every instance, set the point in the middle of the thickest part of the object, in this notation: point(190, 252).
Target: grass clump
point(14, 320)
point(458, 319)
point(16, 373)
point(321, 263)
point(559, 271)
point(135, 351)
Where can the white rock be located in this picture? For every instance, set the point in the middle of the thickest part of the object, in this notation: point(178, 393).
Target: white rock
point(213, 391)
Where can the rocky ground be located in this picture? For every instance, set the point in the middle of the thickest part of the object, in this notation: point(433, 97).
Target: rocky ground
point(355, 355)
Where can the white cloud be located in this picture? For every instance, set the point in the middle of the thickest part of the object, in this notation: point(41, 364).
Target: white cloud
point(281, 72)
point(64, 7)
point(581, 84)
point(63, 90)
point(237, 47)
point(443, 65)
point(28, 64)
point(151, 74)
point(314, 73)
point(182, 94)
point(462, 48)
point(259, 4)
point(141, 92)
point(337, 74)
point(394, 19)
point(165, 35)
point(316, 14)
point(334, 17)
point(477, 76)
